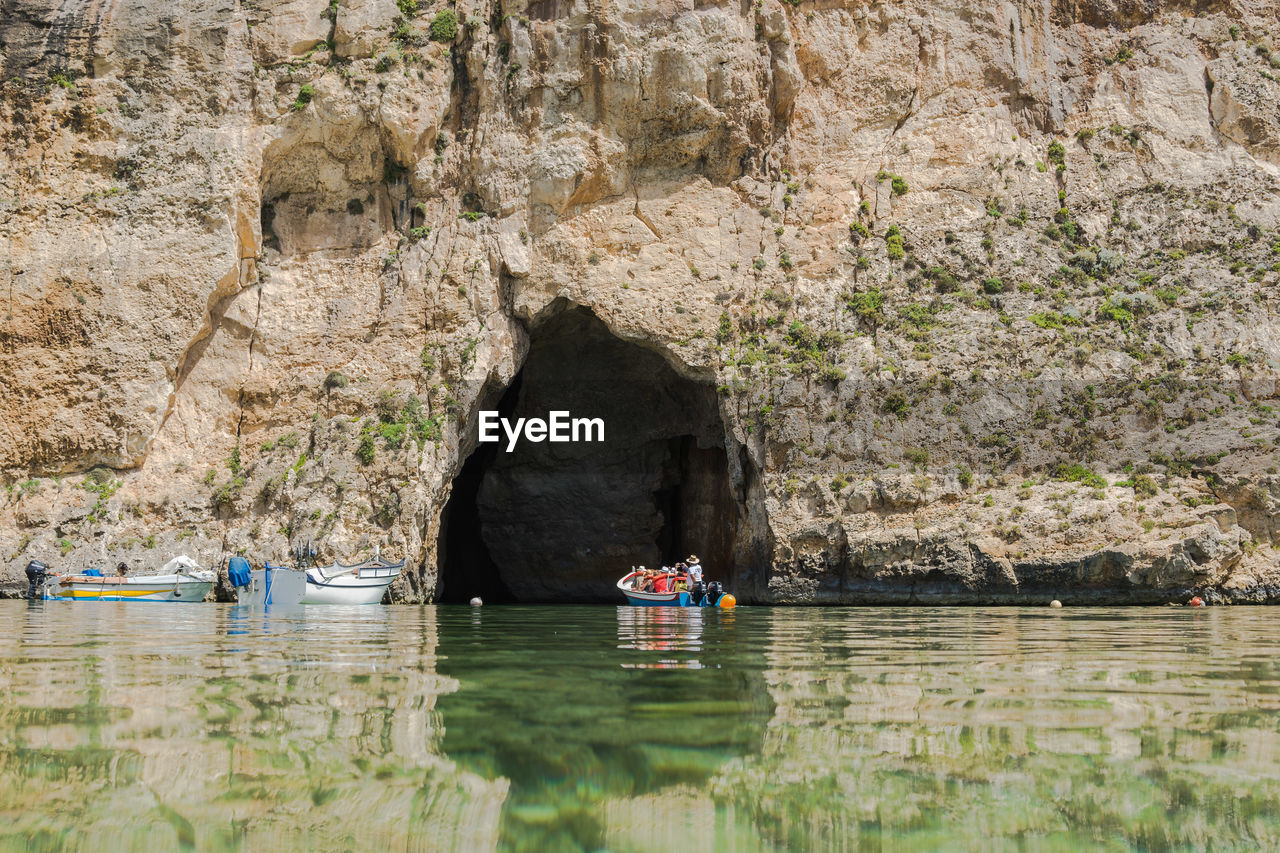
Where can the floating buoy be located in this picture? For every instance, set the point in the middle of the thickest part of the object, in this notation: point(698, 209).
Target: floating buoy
point(1196, 601)
point(728, 602)
point(1055, 603)
point(476, 602)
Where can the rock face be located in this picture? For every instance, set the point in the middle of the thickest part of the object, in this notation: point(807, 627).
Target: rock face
point(972, 303)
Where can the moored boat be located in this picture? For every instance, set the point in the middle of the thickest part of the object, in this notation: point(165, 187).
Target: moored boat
point(179, 580)
point(362, 583)
point(679, 596)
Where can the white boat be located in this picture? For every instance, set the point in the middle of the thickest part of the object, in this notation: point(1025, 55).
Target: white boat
point(363, 583)
point(180, 579)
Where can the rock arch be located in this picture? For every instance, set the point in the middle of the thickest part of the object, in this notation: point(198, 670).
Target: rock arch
point(562, 521)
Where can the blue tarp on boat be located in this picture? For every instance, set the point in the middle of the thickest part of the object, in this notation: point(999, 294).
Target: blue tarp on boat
point(238, 569)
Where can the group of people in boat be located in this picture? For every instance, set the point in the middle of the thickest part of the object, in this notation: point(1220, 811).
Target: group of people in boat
point(685, 575)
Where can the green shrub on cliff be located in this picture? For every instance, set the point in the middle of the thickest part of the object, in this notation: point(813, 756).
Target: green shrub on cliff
point(896, 182)
point(868, 306)
point(893, 243)
point(387, 406)
point(395, 425)
point(896, 403)
point(444, 26)
point(1077, 473)
point(367, 450)
point(228, 493)
point(944, 281)
point(918, 315)
point(724, 333)
point(1144, 486)
point(1111, 310)
point(61, 78)
point(1053, 320)
point(305, 94)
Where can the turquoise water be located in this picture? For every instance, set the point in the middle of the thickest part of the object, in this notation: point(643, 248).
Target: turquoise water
point(137, 726)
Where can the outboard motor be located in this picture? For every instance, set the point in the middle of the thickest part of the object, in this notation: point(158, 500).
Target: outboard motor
point(36, 574)
point(699, 590)
point(714, 590)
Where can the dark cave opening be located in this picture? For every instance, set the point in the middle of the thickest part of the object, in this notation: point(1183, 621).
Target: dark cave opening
point(563, 521)
point(696, 503)
point(461, 544)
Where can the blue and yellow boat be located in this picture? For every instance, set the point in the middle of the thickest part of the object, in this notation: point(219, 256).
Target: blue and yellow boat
point(180, 580)
point(680, 596)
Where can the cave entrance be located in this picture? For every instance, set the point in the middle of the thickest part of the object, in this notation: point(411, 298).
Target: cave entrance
point(563, 521)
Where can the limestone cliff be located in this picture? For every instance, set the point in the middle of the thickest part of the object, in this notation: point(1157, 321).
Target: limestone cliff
point(962, 302)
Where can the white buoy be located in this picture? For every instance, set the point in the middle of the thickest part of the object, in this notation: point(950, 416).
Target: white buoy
point(476, 602)
point(1055, 603)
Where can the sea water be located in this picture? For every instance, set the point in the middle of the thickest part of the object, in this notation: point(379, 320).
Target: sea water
point(209, 727)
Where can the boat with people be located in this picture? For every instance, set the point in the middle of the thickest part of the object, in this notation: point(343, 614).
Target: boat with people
point(306, 583)
point(680, 585)
point(179, 580)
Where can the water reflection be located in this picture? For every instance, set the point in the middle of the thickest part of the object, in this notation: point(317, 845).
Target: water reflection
point(675, 630)
point(129, 725)
point(1147, 728)
point(585, 717)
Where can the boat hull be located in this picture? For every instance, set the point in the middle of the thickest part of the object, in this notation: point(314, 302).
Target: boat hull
point(676, 599)
point(154, 588)
point(346, 590)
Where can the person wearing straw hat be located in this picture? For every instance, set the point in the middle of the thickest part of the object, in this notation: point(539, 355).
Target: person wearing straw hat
point(694, 568)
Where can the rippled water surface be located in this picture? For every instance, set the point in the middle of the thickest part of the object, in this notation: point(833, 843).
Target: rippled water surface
point(128, 725)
